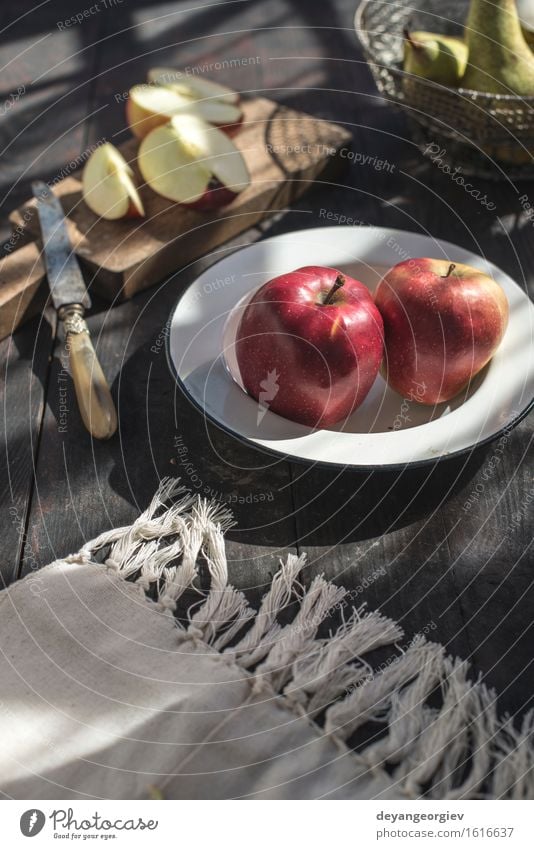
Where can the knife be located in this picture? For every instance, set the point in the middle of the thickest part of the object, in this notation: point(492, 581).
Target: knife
point(71, 299)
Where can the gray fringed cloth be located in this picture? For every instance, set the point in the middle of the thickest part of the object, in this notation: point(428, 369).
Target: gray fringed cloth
point(106, 694)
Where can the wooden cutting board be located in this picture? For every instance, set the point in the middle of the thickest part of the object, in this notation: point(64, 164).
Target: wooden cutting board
point(285, 152)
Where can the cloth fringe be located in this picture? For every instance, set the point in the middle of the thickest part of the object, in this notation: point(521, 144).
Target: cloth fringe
point(435, 731)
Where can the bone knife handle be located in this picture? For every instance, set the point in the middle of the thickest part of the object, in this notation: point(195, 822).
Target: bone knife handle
point(92, 391)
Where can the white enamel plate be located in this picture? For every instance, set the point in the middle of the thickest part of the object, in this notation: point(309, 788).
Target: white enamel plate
point(387, 430)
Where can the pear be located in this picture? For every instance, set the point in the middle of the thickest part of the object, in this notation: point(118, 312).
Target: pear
point(440, 58)
point(525, 10)
point(500, 60)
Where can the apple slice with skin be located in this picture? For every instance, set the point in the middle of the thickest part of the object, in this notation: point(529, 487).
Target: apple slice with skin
point(192, 163)
point(108, 187)
point(149, 106)
point(196, 88)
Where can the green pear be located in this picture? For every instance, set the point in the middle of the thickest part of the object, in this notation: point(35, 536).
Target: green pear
point(440, 58)
point(525, 10)
point(500, 60)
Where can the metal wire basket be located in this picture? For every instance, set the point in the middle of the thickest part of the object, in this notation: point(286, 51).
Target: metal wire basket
point(491, 135)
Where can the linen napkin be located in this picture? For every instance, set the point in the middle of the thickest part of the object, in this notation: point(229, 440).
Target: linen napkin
point(107, 693)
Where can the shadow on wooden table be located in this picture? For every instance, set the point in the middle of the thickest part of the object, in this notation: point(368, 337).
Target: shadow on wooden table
point(348, 506)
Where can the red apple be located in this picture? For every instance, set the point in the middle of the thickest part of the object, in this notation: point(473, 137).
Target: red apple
point(192, 163)
point(442, 322)
point(309, 345)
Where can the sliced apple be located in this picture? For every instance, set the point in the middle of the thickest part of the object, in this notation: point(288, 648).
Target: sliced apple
point(108, 187)
point(193, 163)
point(196, 88)
point(149, 106)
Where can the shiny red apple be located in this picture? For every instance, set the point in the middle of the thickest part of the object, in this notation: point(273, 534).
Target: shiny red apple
point(443, 322)
point(309, 345)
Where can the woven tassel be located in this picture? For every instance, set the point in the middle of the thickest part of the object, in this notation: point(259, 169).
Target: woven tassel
point(513, 774)
point(318, 681)
point(297, 640)
point(372, 699)
point(225, 610)
point(257, 642)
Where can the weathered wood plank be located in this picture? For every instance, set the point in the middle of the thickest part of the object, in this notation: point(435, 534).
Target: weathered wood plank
point(47, 86)
point(25, 365)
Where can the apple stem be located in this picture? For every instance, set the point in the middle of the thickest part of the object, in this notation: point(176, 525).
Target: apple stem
point(338, 283)
point(452, 266)
point(416, 45)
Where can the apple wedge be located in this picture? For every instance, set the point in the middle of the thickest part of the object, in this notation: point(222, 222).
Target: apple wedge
point(107, 185)
point(191, 162)
point(149, 106)
point(196, 88)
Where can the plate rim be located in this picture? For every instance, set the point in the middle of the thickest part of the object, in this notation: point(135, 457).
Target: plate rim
point(330, 464)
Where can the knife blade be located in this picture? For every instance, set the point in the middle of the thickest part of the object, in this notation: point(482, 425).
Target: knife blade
point(70, 298)
point(65, 279)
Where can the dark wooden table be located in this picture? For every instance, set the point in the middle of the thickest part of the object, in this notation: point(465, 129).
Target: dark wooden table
point(401, 541)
